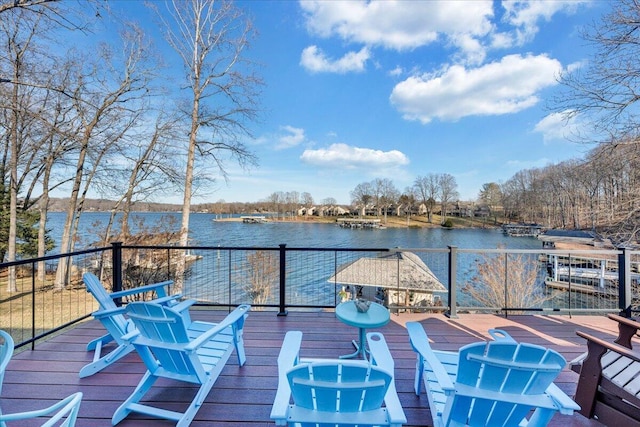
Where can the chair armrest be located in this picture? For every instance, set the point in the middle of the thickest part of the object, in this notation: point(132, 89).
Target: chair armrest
point(420, 343)
point(542, 400)
point(108, 313)
point(157, 287)
point(233, 317)
point(68, 407)
point(381, 357)
point(130, 336)
point(287, 359)
point(627, 328)
point(624, 351)
point(183, 305)
point(565, 404)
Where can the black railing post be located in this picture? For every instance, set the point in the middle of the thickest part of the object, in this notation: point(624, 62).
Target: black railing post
point(506, 285)
point(33, 306)
point(624, 283)
point(283, 270)
point(116, 270)
point(452, 313)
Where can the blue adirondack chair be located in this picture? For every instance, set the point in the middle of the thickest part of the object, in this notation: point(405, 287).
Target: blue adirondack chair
point(336, 392)
point(171, 348)
point(495, 383)
point(116, 324)
point(61, 414)
point(6, 351)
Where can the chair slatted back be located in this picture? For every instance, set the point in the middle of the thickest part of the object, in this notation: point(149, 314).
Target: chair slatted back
point(116, 324)
point(338, 387)
point(164, 337)
point(6, 351)
point(502, 367)
point(95, 288)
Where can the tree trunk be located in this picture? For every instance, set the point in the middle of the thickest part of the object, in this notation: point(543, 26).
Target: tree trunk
point(65, 244)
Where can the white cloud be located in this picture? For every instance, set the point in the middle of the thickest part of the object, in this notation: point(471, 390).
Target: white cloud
point(294, 136)
point(558, 126)
point(314, 60)
point(396, 25)
point(401, 25)
point(468, 26)
point(396, 71)
point(345, 156)
point(525, 15)
point(575, 66)
point(528, 164)
point(497, 88)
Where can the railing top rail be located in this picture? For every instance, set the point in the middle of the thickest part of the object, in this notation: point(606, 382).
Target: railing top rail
point(546, 251)
point(52, 257)
point(257, 248)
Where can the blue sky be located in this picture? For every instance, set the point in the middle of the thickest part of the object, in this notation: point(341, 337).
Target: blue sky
point(359, 90)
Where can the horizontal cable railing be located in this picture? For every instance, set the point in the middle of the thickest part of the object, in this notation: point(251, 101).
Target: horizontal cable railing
point(41, 296)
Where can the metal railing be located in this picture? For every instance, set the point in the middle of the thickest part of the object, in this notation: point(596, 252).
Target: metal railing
point(48, 294)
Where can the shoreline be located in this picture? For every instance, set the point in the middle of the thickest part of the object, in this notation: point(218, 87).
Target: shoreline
point(391, 222)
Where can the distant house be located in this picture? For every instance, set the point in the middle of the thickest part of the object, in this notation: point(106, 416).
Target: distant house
point(482, 211)
point(330, 211)
point(305, 211)
point(463, 209)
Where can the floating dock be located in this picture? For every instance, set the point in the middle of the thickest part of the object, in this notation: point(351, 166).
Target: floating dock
point(253, 219)
point(359, 223)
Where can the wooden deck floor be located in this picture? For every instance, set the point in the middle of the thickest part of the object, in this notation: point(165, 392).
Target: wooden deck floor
point(243, 396)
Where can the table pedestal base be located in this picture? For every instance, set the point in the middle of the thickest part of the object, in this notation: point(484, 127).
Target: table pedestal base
point(361, 348)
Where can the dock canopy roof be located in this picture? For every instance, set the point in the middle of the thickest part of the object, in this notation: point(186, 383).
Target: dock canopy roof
point(403, 270)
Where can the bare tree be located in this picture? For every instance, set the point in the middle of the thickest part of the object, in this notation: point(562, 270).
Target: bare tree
point(448, 191)
point(21, 54)
point(275, 201)
point(362, 196)
point(506, 280)
point(211, 38)
point(148, 170)
point(6, 6)
point(387, 195)
point(260, 277)
point(407, 201)
point(307, 201)
point(329, 201)
point(292, 201)
point(102, 121)
point(491, 195)
point(604, 93)
point(426, 188)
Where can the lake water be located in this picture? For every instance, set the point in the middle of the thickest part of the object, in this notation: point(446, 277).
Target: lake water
point(204, 231)
point(308, 272)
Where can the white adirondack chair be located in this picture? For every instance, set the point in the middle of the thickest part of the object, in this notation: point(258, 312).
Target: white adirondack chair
point(495, 383)
point(336, 392)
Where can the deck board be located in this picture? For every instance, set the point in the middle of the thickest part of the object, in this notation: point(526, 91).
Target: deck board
point(242, 396)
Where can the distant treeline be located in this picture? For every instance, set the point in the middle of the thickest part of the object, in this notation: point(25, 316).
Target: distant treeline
point(105, 205)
